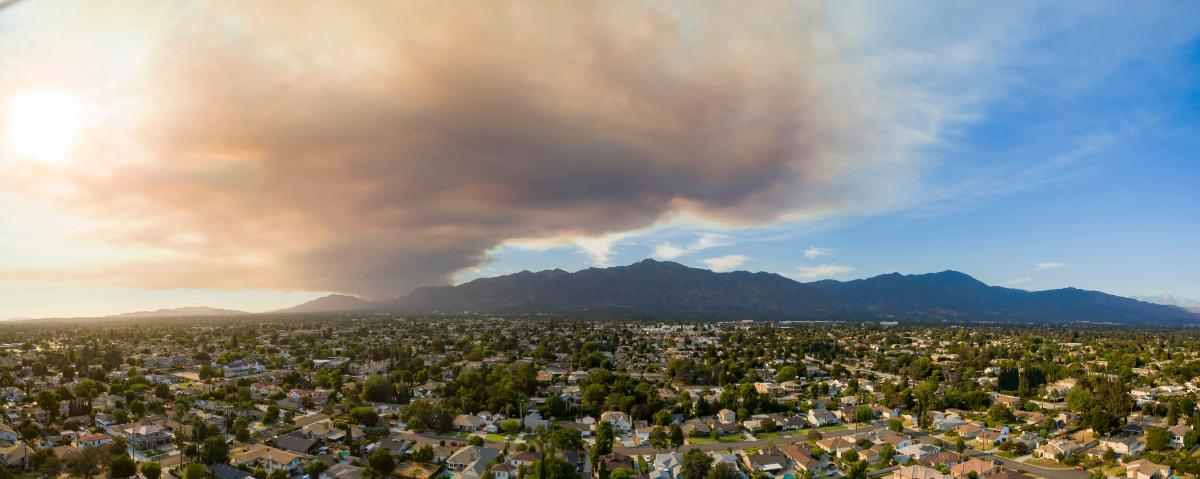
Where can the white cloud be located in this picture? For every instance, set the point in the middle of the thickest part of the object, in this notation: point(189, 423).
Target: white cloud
point(1050, 265)
point(823, 271)
point(670, 251)
point(815, 252)
point(1015, 281)
point(667, 250)
point(726, 263)
point(598, 249)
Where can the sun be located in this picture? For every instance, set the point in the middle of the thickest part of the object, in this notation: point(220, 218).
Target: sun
point(42, 125)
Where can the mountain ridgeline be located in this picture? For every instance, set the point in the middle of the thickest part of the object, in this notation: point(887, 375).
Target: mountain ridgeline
point(663, 288)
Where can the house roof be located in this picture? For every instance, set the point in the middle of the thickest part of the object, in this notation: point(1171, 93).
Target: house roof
point(918, 472)
point(978, 466)
point(295, 443)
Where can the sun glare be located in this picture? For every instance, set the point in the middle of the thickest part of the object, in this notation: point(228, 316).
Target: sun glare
point(42, 125)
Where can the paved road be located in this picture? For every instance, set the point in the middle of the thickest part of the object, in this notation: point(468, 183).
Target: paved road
point(1065, 473)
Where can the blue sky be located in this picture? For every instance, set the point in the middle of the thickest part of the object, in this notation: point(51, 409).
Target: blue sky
point(1035, 145)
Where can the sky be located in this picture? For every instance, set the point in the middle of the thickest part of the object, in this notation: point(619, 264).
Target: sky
point(255, 155)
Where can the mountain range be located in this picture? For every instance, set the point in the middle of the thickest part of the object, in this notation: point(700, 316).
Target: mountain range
point(651, 288)
point(180, 312)
point(330, 303)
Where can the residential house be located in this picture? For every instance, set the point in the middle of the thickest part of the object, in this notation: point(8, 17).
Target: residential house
point(801, 456)
point(917, 472)
point(503, 471)
point(1123, 446)
point(1179, 434)
point(821, 417)
point(1144, 469)
point(471, 461)
point(269, 458)
point(667, 466)
point(468, 423)
point(613, 461)
point(619, 420)
point(148, 436)
point(836, 445)
point(1056, 449)
point(918, 451)
point(770, 462)
point(980, 467)
point(92, 440)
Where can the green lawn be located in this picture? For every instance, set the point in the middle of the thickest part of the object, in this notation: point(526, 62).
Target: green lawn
point(1046, 463)
point(731, 438)
point(701, 440)
point(835, 427)
point(769, 435)
point(495, 438)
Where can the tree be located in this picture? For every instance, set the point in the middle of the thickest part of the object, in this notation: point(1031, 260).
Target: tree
point(137, 407)
point(121, 466)
point(151, 470)
point(1001, 414)
point(162, 391)
point(315, 468)
point(604, 438)
point(896, 425)
point(662, 417)
point(381, 461)
point(194, 470)
point(475, 440)
point(960, 445)
point(377, 388)
point(565, 439)
point(510, 426)
point(886, 453)
point(554, 467)
point(364, 415)
point(724, 470)
point(863, 413)
point(858, 470)
point(850, 456)
point(424, 454)
point(276, 474)
point(47, 463)
point(1157, 439)
point(676, 436)
point(83, 464)
point(696, 464)
point(214, 451)
point(1080, 399)
point(621, 473)
point(658, 437)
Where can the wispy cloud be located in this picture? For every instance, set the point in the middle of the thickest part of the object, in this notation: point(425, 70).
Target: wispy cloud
point(822, 271)
point(670, 251)
point(1050, 265)
point(1015, 281)
point(728, 262)
point(816, 252)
